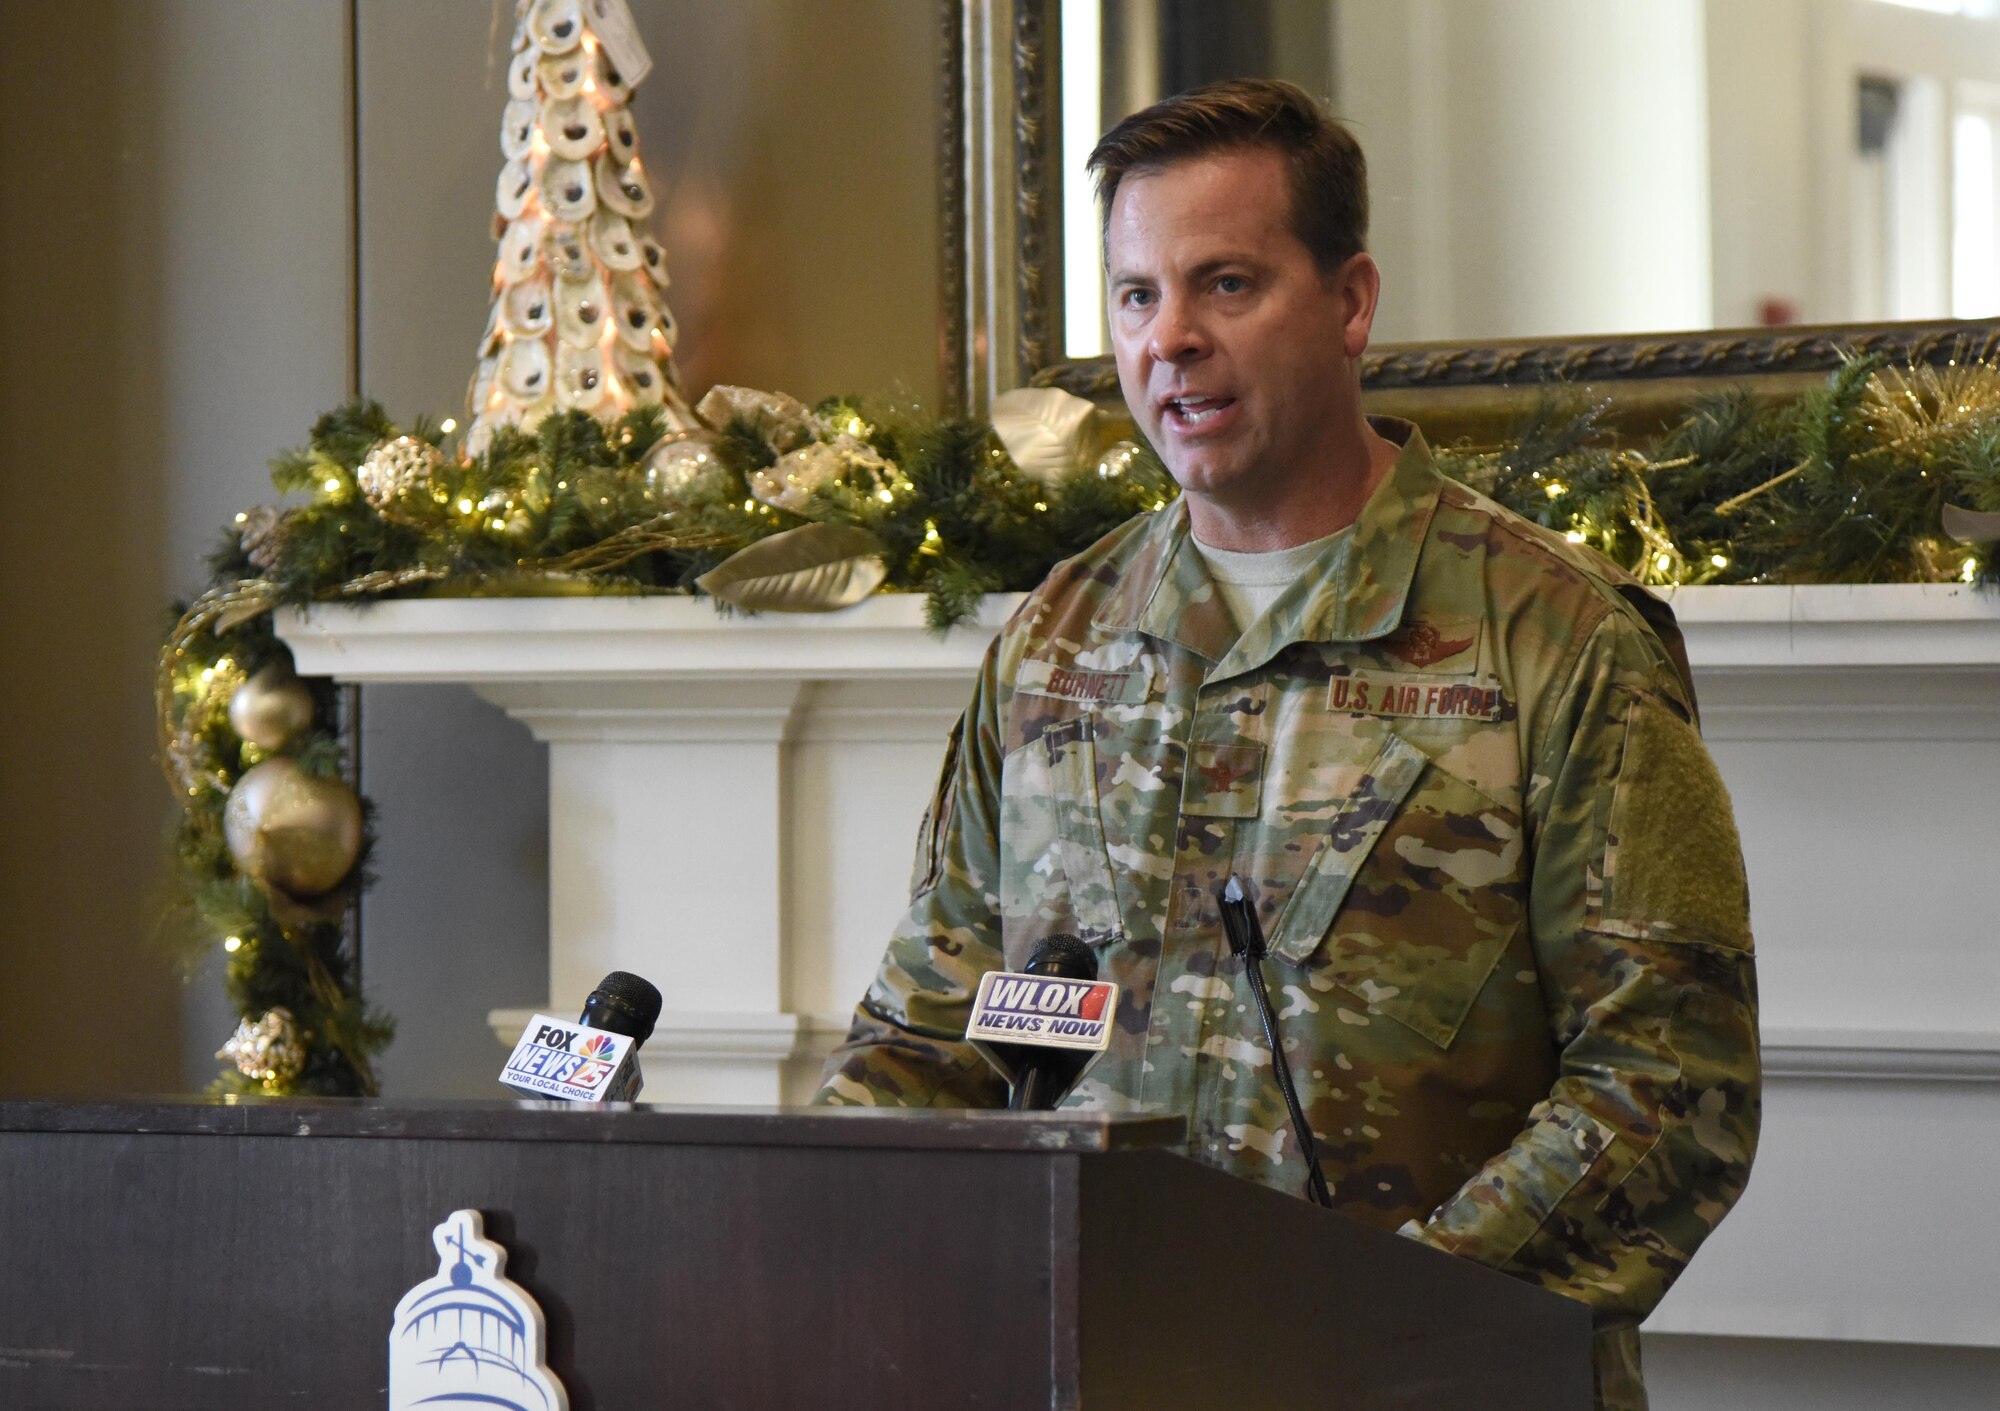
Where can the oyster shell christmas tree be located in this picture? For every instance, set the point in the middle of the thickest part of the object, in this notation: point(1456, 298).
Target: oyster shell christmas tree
point(579, 320)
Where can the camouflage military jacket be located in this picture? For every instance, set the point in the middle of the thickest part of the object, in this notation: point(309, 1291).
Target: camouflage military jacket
point(1498, 872)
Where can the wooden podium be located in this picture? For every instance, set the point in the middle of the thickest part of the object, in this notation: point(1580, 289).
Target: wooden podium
point(211, 1256)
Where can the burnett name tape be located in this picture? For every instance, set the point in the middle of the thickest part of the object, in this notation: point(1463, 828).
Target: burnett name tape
point(1043, 1011)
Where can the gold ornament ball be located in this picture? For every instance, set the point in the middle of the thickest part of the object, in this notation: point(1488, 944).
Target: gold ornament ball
point(272, 708)
point(290, 830)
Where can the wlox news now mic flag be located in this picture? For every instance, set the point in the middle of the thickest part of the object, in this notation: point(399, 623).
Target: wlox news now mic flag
point(560, 1058)
point(1041, 1011)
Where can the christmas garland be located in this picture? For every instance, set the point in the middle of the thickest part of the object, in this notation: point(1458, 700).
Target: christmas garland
point(769, 505)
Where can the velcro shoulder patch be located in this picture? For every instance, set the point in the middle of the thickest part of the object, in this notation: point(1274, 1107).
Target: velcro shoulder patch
point(1673, 855)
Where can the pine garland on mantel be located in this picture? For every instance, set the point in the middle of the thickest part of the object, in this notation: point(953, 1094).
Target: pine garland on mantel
point(768, 504)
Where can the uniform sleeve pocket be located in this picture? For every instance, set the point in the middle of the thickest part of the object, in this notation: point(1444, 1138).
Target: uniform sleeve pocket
point(1412, 896)
point(1498, 1211)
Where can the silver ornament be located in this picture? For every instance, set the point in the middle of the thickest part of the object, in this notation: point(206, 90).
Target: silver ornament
point(271, 708)
point(290, 830)
point(677, 468)
point(269, 1050)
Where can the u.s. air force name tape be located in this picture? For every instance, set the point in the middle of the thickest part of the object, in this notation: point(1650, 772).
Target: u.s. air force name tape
point(560, 1058)
point(1043, 1011)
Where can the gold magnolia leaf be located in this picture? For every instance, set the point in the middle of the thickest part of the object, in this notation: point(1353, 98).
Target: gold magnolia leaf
point(814, 568)
point(1971, 526)
point(1048, 432)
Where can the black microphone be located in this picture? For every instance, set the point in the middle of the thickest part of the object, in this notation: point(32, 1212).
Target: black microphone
point(623, 1003)
point(1041, 1076)
point(597, 1058)
point(1047, 1074)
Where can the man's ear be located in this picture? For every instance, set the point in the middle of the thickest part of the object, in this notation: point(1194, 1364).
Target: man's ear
point(1359, 282)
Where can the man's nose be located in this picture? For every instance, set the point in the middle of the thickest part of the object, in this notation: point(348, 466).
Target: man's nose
point(1177, 334)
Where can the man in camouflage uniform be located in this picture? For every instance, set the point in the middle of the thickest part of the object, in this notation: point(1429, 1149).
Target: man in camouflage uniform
point(1453, 760)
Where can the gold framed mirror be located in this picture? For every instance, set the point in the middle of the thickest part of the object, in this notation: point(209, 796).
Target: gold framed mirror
point(1003, 195)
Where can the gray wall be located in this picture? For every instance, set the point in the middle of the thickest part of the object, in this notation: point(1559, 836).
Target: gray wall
point(178, 242)
point(1794, 1374)
point(174, 248)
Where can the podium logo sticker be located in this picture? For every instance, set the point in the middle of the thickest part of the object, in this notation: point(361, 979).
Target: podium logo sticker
point(566, 1061)
point(470, 1334)
point(1043, 1011)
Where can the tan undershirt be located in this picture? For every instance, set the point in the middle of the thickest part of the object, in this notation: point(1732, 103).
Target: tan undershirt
point(1250, 583)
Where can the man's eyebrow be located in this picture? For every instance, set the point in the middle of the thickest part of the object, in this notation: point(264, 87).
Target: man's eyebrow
point(1219, 263)
point(1201, 271)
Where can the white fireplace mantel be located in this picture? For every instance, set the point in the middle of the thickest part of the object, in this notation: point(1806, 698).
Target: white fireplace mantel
point(676, 736)
point(750, 787)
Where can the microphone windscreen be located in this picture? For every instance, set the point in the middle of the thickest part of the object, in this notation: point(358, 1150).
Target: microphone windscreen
point(1066, 957)
point(623, 1003)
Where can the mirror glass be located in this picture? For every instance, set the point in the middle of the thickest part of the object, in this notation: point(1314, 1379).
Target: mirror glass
point(1546, 168)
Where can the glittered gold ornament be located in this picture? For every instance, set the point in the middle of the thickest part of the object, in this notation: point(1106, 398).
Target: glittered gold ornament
point(271, 708)
point(269, 1050)
point(290, 830)
point(397, 477)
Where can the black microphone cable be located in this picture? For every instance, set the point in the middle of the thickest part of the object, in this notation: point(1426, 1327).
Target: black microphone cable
point(1246, 941)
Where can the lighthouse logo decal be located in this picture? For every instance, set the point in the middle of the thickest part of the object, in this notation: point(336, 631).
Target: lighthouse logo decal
point(470, 1336)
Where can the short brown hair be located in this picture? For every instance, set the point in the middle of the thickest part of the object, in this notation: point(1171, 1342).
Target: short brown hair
point(1329, 176)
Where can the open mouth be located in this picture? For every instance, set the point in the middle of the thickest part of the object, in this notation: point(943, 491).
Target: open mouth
point(1195, 413)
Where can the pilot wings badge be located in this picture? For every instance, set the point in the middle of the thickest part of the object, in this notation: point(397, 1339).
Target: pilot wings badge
point(470, 1334)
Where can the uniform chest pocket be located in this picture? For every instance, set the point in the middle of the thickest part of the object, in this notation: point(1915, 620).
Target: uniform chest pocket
point(1055, 865)
point(1412, 895)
